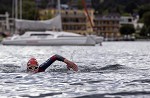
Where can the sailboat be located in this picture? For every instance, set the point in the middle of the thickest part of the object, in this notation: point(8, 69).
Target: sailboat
point(48, 38)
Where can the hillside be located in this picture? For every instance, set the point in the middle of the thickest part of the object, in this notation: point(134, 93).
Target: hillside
point(120, 6)
point(101, 6)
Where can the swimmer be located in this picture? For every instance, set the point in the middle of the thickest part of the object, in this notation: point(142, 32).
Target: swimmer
point(34, 67)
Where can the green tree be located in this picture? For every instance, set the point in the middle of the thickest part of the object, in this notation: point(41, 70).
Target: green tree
point(130, 7)
point(29, 10)
point(143, 9)
point(148, 31)
point(80, 6)
point(143, 31)
point(146, 19)
point(6, 6)
point(127, 29)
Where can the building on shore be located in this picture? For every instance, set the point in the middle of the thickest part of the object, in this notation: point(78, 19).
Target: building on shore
point(77, 21)
point(107, 26)
point(73, 20)
point(131, 20)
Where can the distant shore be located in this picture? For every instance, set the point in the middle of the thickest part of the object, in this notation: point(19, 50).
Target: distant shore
point(142, 39)
point(126, 40)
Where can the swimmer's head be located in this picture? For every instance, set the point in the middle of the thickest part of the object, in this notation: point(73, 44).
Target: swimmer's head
point(32, 65)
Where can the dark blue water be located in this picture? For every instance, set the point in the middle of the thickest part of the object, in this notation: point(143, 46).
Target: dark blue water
point(116, 69)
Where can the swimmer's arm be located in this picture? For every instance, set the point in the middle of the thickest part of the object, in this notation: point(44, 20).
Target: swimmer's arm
point(55, 57)
point(69, 63)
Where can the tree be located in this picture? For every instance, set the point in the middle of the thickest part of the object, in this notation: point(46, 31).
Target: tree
point(130, 7)
point(80, 6)
point(148, 31)
point(143, 9)
point(29, 10)
point(146, 19)
point(143, 31)
point(127, 29)
point(6, 6)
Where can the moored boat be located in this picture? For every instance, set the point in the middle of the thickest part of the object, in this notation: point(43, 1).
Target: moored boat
point(49, 38)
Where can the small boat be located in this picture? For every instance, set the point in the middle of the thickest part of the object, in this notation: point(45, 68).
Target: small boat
point(52, 38)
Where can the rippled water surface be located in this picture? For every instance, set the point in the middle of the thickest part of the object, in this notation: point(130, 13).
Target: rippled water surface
point(116, 69)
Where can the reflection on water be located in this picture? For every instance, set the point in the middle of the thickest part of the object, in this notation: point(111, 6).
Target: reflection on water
point(116, 69)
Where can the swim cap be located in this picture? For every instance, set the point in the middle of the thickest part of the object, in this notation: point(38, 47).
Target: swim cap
point(32, 62)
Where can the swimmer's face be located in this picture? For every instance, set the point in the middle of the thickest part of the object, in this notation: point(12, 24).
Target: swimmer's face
point(32, 68)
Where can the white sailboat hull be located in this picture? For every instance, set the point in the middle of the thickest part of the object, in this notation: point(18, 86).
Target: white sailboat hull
point(49, 40)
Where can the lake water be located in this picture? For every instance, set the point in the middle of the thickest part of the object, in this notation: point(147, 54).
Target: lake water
point(115, 69)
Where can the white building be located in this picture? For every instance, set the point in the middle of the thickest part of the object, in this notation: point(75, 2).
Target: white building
point(126, 20)
point(131, 20)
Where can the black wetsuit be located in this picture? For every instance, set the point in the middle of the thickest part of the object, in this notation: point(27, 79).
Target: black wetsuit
point(48, 62)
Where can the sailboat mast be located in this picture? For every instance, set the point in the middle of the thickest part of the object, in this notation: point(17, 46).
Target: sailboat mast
point(59, 13)
point(84, 4)
point(20, 9)
point(16, 9)
point(59, 8)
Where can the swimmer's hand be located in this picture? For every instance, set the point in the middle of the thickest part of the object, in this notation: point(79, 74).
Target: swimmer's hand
point(71, 65)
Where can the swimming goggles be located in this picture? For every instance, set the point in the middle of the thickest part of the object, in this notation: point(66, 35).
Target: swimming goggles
point(33, 67)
